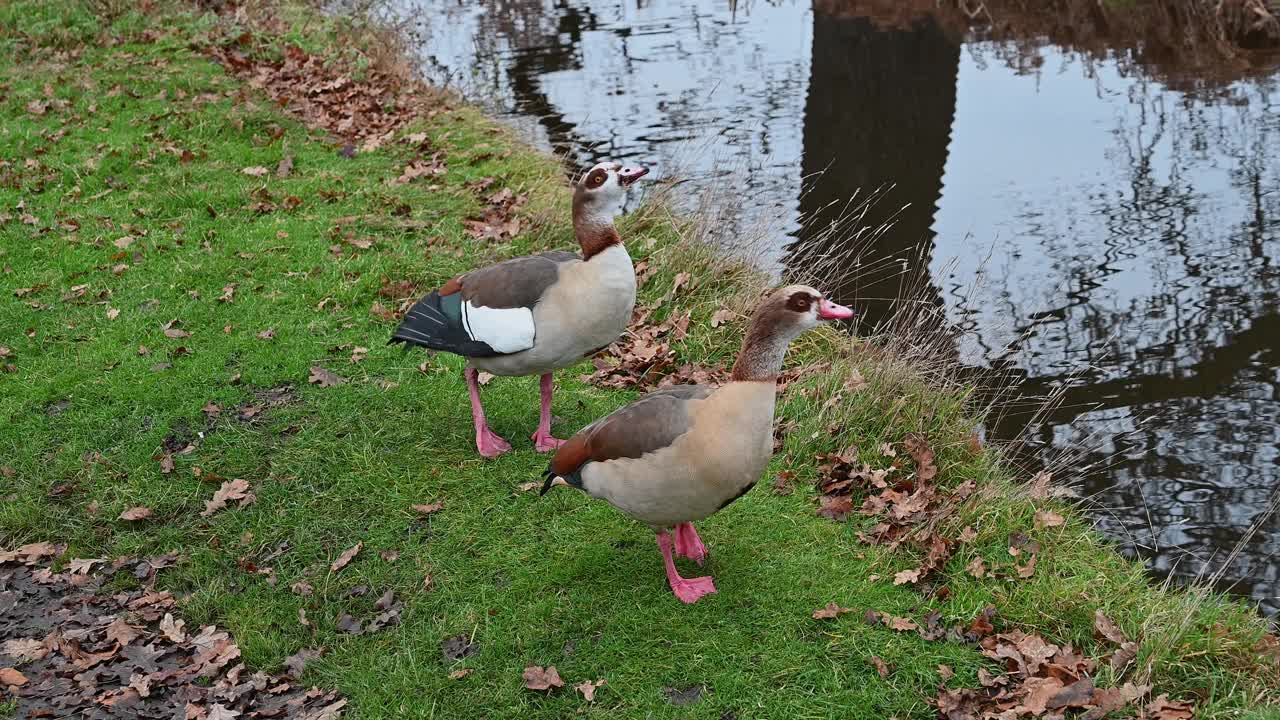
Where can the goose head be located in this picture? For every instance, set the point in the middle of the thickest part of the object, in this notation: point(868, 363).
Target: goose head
point(599, 196)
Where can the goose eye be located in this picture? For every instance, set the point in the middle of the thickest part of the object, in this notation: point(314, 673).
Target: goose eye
point(800, 302)
point(597, 179)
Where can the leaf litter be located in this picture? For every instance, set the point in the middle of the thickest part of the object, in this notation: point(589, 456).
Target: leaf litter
point(78, 648)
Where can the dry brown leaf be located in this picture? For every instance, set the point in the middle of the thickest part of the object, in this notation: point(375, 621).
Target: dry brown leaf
point(830, 611)
point(721, 317)
point(173, 629)
point(1125, 655)
point(346, 557)
point(883, 669)
point(907, 576)
point(255, 171)
point(12, 678)
point(459, 674)
point(538, 678)
point(529, 486)
point(230, 490)
point(1107, 628)
point(1048, 519)
point(80, 566)
point(588, 689)
point(901, 624)
point(324, 378)
point(136, 513)
point(24, 650)
point(122, 632)
point(977, 567)
point(428, 508)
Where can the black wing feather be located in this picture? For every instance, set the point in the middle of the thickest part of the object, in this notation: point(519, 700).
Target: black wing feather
point(427, 325)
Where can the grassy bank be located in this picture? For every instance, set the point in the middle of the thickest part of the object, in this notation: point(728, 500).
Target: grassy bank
point(180, 256)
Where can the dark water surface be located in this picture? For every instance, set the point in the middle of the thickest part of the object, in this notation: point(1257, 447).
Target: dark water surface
point(1085, 226)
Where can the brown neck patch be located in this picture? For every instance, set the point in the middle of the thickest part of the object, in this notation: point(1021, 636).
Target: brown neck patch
point(594, 234)
point(595, 239)
point(760, 358)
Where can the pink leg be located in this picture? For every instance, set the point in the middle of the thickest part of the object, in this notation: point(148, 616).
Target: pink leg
point(687, 589)
point(487, 442)
point(542, 439)
point(688, 544)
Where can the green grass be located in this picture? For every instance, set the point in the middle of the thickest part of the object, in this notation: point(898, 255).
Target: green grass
point(559, 580)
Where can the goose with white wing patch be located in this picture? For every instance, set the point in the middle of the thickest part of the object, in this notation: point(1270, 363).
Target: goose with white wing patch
point(537, 314)
point(682, 454)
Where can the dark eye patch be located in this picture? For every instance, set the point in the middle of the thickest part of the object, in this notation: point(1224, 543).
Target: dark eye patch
point(800, 302)
point(597, 178)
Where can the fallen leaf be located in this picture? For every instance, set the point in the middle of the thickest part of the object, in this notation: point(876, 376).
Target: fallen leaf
point(82, 567)
point(302, 587)
point(588, 689)
point(231, 490)
point(24, 650)
point(945, 672)
point(1107, 628)
point(428, 508)
point(882, 668)
point(483, 377)
point(830, 611)
point(255, 171)
point(1125, 655)
point(722, 316)
point(268, 334)
point(345, 558)
point(529, 486)
point(906, 576)
point(967, 535)
point(13, 678)
point(136, 513)
point(297, 662)
point(901, 624)
point(538, 678)
point(173, 629)
point(324, 378)
point(1048, 519)
point(112, 313)
point(122, 632)
point(459, 674)
point(285, 167)
point(976, 567)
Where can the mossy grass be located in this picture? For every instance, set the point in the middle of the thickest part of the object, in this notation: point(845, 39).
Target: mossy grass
point(148, 140)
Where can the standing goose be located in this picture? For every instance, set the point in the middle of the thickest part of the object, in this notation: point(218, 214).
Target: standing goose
point(681, 454)
point(536, 314)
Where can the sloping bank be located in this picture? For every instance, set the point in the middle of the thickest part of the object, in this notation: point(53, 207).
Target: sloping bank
point(202, 263)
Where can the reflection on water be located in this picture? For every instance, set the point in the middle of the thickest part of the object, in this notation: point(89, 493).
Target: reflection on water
point(1087, 229)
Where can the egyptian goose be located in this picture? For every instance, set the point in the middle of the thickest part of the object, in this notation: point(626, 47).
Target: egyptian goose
point(681, 454)
point(537, 314)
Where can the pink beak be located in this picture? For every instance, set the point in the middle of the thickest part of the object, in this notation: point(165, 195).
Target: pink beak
point(828, 310)
point(628, 175)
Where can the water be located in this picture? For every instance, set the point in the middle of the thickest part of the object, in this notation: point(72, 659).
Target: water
point(1085, 226)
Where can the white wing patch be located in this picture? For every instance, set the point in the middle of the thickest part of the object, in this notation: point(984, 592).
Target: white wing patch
point(506, 330)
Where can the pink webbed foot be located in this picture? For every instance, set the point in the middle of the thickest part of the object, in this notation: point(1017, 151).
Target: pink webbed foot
point(543, 442)
point(690, 589)
point(689, 545)
point(490, 444)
